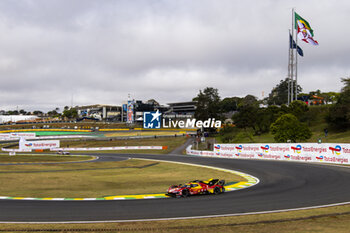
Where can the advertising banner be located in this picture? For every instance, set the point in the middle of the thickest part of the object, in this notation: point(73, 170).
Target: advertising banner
point(110, 148)
point(5, 136)
point(10, 136)
point(299, 152)
point(34, 145)
point(130, 112)
point(25, 135)
point(305, 152)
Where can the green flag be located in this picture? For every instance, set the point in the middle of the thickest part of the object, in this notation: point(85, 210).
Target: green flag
point(306, 24)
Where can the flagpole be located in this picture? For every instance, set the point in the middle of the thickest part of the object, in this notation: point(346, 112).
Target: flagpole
point(296, 64)
point(289, 66)
point(292, 61)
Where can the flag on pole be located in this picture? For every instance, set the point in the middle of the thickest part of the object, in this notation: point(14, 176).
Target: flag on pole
point(304, 30)
point(293, 45)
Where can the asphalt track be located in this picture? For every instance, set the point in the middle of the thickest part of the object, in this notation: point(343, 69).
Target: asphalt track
point(283, 185)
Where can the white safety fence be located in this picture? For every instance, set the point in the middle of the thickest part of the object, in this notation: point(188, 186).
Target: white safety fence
point(302, 152)
point(93, 148)
point(16, 150)
point(54, 145)
point(16, 136)
point(8, 137)
point(109, 148)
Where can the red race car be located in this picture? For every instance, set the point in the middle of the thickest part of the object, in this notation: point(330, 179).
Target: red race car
point(214, 186)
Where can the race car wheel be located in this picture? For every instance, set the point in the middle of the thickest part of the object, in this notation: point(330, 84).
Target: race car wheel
point(185, 193)
point(216, 190)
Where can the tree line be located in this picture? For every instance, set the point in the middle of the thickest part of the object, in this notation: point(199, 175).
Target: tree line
point(286, 123)
point(67, 112)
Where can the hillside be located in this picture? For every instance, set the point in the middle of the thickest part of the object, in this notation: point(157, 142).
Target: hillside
point(315, 120)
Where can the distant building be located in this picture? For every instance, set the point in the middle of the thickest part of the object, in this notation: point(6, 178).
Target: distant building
point(17, 118)
point(181, 110)
point(119, 113)
point(148, 106)
point(100, 112)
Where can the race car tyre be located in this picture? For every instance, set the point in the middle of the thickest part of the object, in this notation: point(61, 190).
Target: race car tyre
point(216, 190)
point(185, 193)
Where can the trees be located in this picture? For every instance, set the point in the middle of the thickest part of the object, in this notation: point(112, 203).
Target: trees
point(53, 113)
point(338, 116)
point(246, 117)
point(260, 119)
point(287, 127)
point(208, 104)
point(279, 94)
point(38, 113)
point(230, 104)
point(22, 112)
point(247, 112)
point(14, 112)
point(266, 116)
point(70, 113)
point(249, 100)
point(299, 109)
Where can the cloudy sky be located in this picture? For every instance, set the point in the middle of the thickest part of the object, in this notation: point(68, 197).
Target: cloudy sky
point(55, 52)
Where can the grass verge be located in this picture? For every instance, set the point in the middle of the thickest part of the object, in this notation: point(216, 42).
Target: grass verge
point(41, 158)
point(331, 219)
point(100, 179)
point(145, 133)
point(170, 143)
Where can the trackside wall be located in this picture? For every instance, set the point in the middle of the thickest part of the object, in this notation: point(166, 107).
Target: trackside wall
point(302, 152)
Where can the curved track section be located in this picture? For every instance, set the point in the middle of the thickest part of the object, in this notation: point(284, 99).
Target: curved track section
point(283, 185)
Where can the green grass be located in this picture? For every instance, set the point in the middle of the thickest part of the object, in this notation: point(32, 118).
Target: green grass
point(170, 143)
point(330, 222)
point(246, 136)
point(41, 158)
point(49, 133)
point(80, 125)
point(146, 133)
point(101, 179)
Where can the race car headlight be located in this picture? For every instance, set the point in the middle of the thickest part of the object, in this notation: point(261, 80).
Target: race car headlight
point(173, 191)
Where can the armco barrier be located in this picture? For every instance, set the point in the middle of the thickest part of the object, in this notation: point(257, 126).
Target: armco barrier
point(302, 152)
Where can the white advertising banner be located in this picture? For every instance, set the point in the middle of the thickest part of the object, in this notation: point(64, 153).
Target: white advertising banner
point(302, 152)
point(33, 145)
point(189, 151)
point(110, 148)
point(10, 136)
point(25, 135)
point(4, 136)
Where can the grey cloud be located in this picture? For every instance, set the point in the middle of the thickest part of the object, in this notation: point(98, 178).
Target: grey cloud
point(99, 51)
